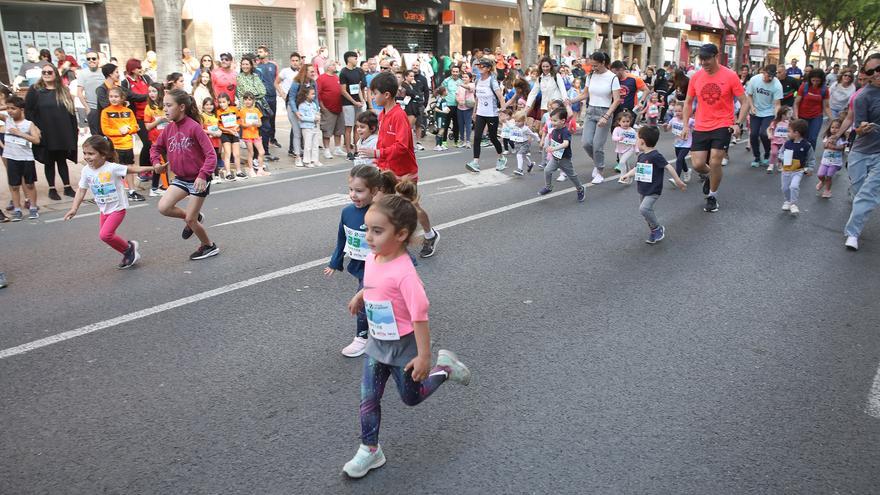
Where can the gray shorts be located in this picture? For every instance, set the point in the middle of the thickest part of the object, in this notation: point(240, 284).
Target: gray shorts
point(332, 124)
point(523, 148)
point(349, 114)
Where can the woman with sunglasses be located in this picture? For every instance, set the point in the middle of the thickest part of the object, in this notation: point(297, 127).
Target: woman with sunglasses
point(49, 105)
point(841, 92)
point(206, 64)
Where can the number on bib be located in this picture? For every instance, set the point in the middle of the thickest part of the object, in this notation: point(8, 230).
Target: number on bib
point(381, 320)
point(645, 172)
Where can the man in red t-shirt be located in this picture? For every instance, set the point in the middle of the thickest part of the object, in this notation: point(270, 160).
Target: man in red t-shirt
point(714, 87)
point(223, 78)
point(394, 147)
point(330, 100)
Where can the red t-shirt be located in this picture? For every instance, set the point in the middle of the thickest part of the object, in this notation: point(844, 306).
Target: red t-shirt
point(138, 86)
point(394, 147)
point(224, 82)
point(330, 92)
point(715, 93)
point(812, 101)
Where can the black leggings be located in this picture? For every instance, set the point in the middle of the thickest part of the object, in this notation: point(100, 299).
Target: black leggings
point(680, 162)
point(481, 123)
point(59, 158)
point(452, 119)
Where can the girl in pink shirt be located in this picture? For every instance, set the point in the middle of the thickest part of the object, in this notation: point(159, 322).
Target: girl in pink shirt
point(399, 342)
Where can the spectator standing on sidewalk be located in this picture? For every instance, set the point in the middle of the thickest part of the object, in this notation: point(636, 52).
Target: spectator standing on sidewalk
point(351, 84)
point(330, 100)
point(137, 88)
point(270, 74)
point(89, 80)
point(285, 87)
point(50, 106)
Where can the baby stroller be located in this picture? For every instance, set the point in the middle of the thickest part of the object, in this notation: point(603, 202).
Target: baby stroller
point(430, 117)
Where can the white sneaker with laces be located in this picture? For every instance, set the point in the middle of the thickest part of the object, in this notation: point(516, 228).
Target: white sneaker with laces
point(438, 148)
point(328, 155)
point(793, 209)
point(597, 177)
point(419, 147)
point(363, 461)
point(852, 243)
point(724, 162)
point(786, 206)
point(686, 176)
point(356, 348)
point(339, 152)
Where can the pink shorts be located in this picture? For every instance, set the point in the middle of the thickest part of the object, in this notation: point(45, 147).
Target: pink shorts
point(827, 170)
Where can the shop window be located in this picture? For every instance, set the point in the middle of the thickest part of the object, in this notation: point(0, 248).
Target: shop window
point(150, 32)
point(44, 26)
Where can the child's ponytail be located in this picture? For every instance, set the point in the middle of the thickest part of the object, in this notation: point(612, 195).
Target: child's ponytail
point(401, 213)
point(181, 98)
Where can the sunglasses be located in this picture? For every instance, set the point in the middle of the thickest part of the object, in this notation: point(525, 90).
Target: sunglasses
point(91, 58)
point(870, 72)
point(48, 72)
point(224, 59)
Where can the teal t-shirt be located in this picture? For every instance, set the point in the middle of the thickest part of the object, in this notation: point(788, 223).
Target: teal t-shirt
point(764, 95)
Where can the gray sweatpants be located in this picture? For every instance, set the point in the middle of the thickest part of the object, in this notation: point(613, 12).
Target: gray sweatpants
point(594, 137)
point(791, 185)
point(646, 208)
point(565, 165)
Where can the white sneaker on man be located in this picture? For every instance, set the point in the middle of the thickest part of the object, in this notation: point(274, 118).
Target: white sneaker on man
point(327, 154)
point(597, 177)
point(339, 152)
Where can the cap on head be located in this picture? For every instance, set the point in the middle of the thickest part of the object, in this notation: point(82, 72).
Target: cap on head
point(771, 70)
point(108, 69)
point(485, 62)
point(708, 50)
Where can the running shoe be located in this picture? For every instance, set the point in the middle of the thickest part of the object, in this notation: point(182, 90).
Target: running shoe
point(419, 147)
point(241, 175)
point(530, 167)
point(724, 162)
point(770, 169)
point(135, 196)
point(438, 148)
point(786, 206)
point(765, 161)
point(205, 252)
point(356, 348)
point(468, 145)
point(156, 192)
point(363, 461)
point(562, 177)
point(457, 371)
point(826, 194)
point(274, 142)
point(187, 232)
point(350, 156)
point(545, 190)
point(69, 192)
point(597, 177)
point(852, 243)
point(501, 163)
point(655, 235)
point(10, 206)
point(145, 176)
point(505, 152)
point(299, 162)
point(17, 216)
point(429, 246)
point(794, 210)
point(518, 172)
point(472, 166)
point(711, 204)
point(53, 194)
point(582, 194)
point(131, 256)
point(270, 158)
point(3, 218)
point(339, 151)
point(33, 214)
point(755, 164)
point(230, 177)
point(327, 154)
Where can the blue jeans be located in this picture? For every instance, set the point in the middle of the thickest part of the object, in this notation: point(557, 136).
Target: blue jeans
point(465, 124)
point(864, 177)
point(814, 129)
point(295, 131)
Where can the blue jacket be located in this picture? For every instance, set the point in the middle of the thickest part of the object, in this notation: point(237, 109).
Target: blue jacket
point(353, 218)
point(308, 110)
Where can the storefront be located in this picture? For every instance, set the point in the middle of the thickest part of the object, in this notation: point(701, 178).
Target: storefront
point(410, 27)
point(705, 28)
point(47, 25)
point(576, 37)
point(481, 25)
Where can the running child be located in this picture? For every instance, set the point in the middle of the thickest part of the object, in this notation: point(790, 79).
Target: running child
point(251, 119)
point(367, 128)
point(21, 135)
point(397, 316)
point(798, 159)
point(155, 122)
point(521, 136)
point(559, 148)
point(119, 124)
point(682, 146)
point(192, 159)
point(364, 182)
point(777, 131)
point(309, 115)
point(211, 124)
point(229, 127)
point(626, 138)
point(103, 177)
point(394, 149)
point(505, 122)
point(832, 157)
point(653, 111)
point(648, 172)
point(441, 115)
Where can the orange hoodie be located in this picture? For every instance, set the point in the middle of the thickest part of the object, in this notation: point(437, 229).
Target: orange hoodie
point(113, 119)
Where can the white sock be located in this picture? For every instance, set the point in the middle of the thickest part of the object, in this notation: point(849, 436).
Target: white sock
point(430, 235)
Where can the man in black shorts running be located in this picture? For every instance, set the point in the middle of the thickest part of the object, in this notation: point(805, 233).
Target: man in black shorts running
point(714, 87)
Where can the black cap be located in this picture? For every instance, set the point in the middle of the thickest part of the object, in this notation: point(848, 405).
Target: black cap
point(708, 50)
point(771, 69)
point(485, 62)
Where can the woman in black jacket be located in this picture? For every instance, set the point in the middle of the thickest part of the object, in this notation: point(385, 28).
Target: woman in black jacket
point(49, 105)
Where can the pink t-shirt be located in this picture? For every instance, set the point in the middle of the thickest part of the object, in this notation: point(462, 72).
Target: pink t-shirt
point(395, 282)
point(224, 82)
point(715, 93)
point(630, 136)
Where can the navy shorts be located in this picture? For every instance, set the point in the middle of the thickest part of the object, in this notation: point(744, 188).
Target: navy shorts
point(190, 187)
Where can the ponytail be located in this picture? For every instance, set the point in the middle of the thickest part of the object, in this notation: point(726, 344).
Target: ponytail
point(181, 98)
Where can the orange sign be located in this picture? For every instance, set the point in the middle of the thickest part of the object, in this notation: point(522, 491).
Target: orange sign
point(448, 17)
point(413, 16)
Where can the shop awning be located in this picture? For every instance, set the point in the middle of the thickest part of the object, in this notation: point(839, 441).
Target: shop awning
point(564, 32)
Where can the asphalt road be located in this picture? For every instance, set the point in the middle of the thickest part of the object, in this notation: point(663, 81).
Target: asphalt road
point(737, 356)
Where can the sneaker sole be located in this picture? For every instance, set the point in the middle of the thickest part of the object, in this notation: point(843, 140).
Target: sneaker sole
point(470, 169)
point(208, 255)
point(357, 475)
point(361, 353)
point(466, 373)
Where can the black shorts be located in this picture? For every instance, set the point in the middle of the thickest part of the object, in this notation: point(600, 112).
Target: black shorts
point(229, 138)
point(20, 170)
point(189, 187)
point(126, 157)
point(719, 139)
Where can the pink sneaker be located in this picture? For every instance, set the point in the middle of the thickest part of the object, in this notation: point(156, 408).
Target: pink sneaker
point(356, 348)
point(826, 194)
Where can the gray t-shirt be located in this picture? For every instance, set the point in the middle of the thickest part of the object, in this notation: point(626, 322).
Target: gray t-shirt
point(866, 108)
point(90, 81)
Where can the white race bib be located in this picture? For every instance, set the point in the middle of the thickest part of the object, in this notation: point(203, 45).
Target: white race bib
point(356, 244)
point(251, 119)
point(162, 125)
point(653, 111)
point(787, 157)
point(380, 318)
point(354, 89)
point(832, 157)
point(628, 137)
point(558, 153)
point(505, 132)
point(781, 132)
point(677, 129)
point(10, 139)
point(645, 172)
point(213, 128)
point(406, 100)
point(229, 120)
point(104, 193)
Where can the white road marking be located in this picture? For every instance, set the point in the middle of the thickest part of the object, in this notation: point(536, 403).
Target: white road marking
point(327, 201)
point(873, 408)
point(119, 320)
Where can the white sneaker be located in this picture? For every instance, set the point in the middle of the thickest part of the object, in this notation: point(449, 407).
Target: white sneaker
point(299, 162)
point(562, 177)
point(419, 147)
point(461, 144)
point(339, 152)
point(438, 148)
point(317, 164)
point(363, 461)
point(445, 148)
point(786, 206)
point(852, 243)
point(686, 176)
point(597, 177)
point(724, 162)
point(310, 165)
point(356, 348)
point(256, 163)
point(328, 155)
point(154, 193)
point(793, 209)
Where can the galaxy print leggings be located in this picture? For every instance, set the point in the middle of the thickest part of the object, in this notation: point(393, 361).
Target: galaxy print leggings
point(373, 386)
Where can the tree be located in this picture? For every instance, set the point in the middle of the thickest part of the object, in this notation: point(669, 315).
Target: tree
point(738, 25)
point(530, 19)
point(168, 14)
point(861, 28)
point(789, 17)
point(608, 40)
point(654, 15)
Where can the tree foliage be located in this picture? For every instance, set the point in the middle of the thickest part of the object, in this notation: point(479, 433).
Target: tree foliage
point(654, 14)
point(737, 21)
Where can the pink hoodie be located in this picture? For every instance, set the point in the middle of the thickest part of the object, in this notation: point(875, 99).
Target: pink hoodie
point(187, 149)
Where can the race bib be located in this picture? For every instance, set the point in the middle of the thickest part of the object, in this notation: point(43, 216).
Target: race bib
point(356, 244)
point(516, 135)
point(381, 321)
point(558, 153)
point(781, 132)
point(162, 125)
point(104, 193)
point(229, 120)
point(251, 119)
point(832, 157)
point(362, 160)
point(787, 157)
point(406, 100)
point(354, 89)
point(652, 111)
point(629, 137)
point(677, 129)
point(213, 128)
point(645, 172)
point(505, 132)
point(10, 139)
